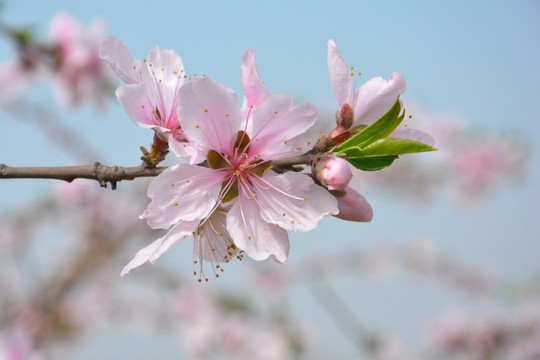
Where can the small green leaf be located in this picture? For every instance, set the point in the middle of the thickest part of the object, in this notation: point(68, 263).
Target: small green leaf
point(390, 146)
point(378, 130)
point(373, 163)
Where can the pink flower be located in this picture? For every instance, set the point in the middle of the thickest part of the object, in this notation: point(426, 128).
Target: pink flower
point(369, 102)
point(264, 204)
point(79, 74)
point(150, 93)
point(333, 172)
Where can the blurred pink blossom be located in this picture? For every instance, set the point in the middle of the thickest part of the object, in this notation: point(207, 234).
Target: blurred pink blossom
point(79, 75)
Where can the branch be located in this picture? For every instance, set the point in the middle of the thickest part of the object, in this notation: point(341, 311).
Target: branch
point(103, 174)
point(113, 174)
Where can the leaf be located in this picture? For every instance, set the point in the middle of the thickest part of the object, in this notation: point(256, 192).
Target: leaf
point(378, 130)
point(373, 163)
point(390, 146)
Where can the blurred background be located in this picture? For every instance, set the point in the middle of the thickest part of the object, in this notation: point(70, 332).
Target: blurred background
point(449, 268)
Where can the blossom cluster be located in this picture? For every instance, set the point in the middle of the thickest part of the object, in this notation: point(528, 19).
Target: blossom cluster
point(238, 187)
point(68, 59)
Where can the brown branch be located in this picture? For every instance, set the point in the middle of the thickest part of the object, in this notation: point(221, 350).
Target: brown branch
point(103, 174)
point(113, 174)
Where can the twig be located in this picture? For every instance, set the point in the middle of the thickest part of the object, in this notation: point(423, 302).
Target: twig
point(113, 174)
point(103, 174)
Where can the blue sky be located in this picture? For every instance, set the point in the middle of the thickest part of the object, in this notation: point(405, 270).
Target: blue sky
point(478, 60)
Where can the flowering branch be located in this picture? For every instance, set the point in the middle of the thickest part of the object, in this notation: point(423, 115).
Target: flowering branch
point(113, 174)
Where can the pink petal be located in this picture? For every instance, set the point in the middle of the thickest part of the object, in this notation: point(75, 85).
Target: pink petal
point(277, 121)
point(157, 248)
point(119, 58)
point(354, 207)
point(186, 150)
point(340, 75)
point(134, 99)
point(373, 99)
point(293, 201)
point(252, 234)
point(182, 192)
point(252, 84)
point(166, 71)
point(210, 114)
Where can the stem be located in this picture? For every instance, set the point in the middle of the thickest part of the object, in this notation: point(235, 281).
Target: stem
point(101, 173)
point(113, 174)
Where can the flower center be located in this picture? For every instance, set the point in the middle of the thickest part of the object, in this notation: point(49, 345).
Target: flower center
point(241, 166)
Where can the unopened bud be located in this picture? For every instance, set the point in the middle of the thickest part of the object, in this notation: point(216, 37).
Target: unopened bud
point(353, 206)
point(333, 172)
point(345, 116)
point(344, 120)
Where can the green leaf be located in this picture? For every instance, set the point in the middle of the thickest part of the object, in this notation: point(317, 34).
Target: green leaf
point(378, 130)
point(373, 163)
point(390, 146)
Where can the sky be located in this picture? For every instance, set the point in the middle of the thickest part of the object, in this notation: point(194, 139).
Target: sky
point(478, 61)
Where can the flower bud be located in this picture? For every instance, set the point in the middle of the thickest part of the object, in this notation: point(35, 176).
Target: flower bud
point(344, 120)
point(354, 207)
point(333, 172)
point(345, 116)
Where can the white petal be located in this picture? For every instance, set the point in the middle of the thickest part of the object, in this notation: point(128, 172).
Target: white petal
point(182, 192)
point(373, 99)
point(210, 114)
point(252, 234)
point(157, 248)
point(340, 75)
